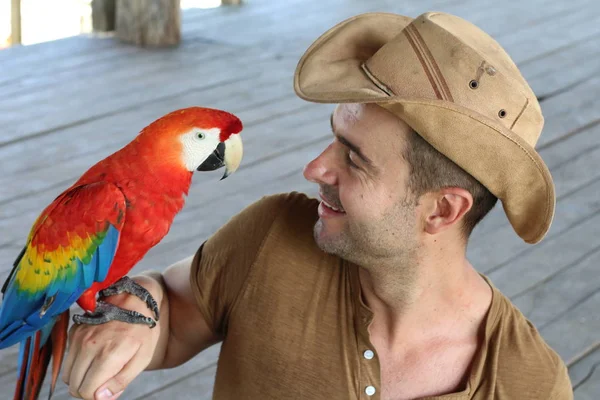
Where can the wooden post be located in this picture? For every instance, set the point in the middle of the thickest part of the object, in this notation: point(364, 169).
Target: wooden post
point(15, 22)
point(149, 23)
point(103, 15)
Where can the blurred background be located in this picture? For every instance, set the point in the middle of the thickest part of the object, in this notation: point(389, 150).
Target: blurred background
point(45, 20)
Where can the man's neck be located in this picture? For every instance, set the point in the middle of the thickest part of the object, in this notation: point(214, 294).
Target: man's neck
point(445, 296)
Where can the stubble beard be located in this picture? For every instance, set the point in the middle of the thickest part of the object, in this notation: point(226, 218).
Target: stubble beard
point(389, 253)
point(376, 246)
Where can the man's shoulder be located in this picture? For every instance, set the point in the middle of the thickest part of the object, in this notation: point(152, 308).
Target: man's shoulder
point(523, 358)
point(293, 205)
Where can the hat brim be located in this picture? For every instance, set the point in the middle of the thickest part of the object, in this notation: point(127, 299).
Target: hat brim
point(524, 186)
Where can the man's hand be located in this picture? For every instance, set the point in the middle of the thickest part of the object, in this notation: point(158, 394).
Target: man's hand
point(103, 359)
point(111, 355)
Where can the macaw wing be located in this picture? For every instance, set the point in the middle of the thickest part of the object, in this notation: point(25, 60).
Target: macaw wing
point(71, 246)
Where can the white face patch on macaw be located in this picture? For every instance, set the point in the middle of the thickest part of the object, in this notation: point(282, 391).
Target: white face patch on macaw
point(198, 145)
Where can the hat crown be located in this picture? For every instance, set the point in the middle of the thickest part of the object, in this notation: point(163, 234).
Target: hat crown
point(444, 57)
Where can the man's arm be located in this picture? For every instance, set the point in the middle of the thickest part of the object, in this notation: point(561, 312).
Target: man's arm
point(111, 355)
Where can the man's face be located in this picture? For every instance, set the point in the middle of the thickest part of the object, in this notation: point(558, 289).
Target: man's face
point(363, 175)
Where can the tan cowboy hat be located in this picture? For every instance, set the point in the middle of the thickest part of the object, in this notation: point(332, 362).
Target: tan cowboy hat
point(455, 86)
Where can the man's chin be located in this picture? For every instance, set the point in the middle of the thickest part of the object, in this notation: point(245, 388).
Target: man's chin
point(329, 242)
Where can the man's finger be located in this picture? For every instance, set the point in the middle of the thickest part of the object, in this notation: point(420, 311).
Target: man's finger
point(81, 364)
point(104, 367)
point(72, 352)
point(119, 382)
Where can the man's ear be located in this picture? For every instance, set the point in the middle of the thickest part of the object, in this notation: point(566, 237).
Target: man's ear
point(446, 208)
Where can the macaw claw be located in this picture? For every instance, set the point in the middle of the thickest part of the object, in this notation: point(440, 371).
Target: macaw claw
point(106, 312)
point(128, 285)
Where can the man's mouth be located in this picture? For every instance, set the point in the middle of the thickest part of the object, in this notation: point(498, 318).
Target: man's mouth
point(331, 207)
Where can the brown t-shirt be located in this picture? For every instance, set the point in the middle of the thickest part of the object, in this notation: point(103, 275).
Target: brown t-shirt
point(294, 325)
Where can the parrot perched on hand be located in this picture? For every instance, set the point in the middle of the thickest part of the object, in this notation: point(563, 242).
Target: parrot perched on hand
point(87, 240)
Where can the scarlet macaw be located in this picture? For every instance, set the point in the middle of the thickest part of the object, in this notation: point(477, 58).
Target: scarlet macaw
point(87, 240)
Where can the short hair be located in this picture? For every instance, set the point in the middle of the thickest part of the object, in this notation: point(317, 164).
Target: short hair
point(430, 170)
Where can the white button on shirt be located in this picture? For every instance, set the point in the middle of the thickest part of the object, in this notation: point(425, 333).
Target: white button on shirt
point(370, 390)
point(368, 354)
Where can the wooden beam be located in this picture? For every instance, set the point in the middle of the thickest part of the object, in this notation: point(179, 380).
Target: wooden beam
point(15, 22)
point(149, 23)
point(103, 15)
point(231, 2)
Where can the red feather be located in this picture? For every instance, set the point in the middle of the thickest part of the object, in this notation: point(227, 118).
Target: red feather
point(20, 389)
point(58, 337)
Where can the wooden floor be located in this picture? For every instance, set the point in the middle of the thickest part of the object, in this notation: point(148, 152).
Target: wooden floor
point(66, 104)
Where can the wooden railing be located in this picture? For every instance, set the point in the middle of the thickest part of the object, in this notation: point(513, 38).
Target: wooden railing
point(15, 22)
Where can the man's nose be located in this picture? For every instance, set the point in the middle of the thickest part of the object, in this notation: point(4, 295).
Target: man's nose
point(321, 169)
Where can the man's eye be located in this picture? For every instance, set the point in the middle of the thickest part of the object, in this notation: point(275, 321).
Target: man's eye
point(349, 160)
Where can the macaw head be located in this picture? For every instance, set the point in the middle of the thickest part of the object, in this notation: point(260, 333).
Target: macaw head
point(197, 139)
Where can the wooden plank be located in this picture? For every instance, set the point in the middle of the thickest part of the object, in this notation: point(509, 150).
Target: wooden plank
point(48, 116)
point(584, 371)
point(553, 298)
point(552, 35)
point(81, 53)
point(487, 256)
point(523, 18)
point(576, 330)
point(547, 258)
point(127, 59)
point(590, 389)
point(17, 63)
point(561, 71)
point(582, 112)
point(75, 73)
point(21, 77)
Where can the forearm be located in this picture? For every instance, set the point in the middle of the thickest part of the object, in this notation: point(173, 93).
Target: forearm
point(154, 282)
point(183, 333)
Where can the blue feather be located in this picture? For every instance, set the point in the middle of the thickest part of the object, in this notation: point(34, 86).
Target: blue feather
point(20, 311)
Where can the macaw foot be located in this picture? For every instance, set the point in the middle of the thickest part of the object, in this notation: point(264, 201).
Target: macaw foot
point(128, 285)
point(106, 312)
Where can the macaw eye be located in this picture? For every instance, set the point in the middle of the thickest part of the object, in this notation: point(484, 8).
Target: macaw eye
point(200, 135)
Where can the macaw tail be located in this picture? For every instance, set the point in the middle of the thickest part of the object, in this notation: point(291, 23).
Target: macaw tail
point(34, 357)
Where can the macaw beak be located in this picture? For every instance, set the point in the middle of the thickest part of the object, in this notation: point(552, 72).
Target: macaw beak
point(228, 153)
point(234, 150)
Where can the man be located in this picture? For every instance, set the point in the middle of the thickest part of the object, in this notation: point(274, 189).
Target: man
point(368, 292)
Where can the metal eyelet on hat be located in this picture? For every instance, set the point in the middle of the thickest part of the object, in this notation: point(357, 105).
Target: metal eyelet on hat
point(473, 84)
point(502, 113)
